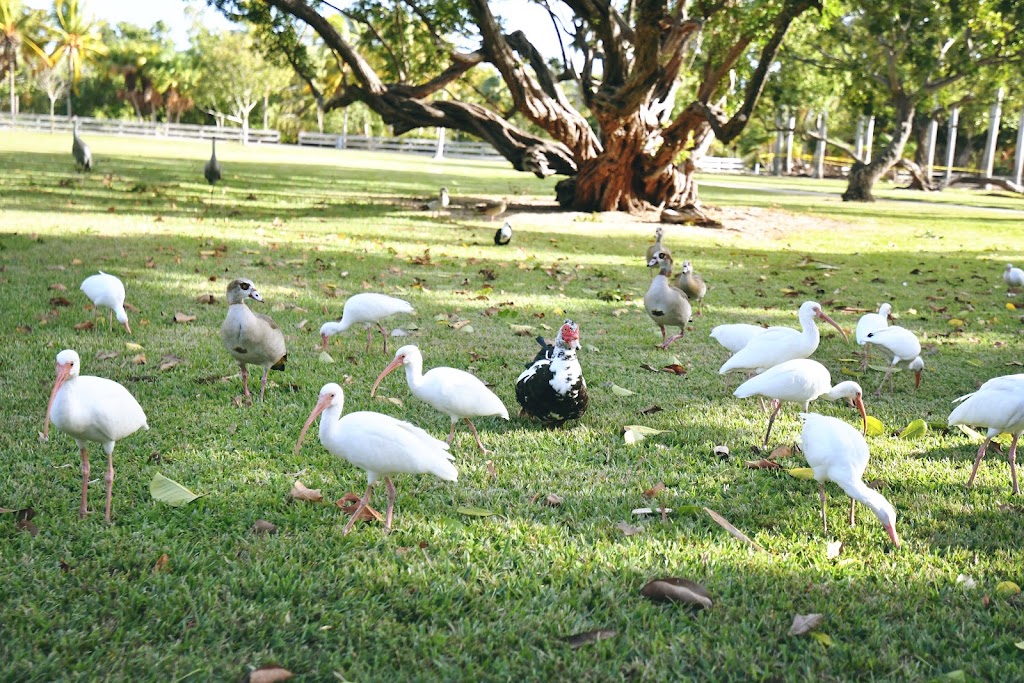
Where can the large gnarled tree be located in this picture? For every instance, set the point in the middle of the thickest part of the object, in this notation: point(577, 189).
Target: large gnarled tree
point(625, 147)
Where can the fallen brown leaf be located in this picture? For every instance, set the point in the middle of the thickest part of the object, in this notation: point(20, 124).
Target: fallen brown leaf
point(300, 492)
point(269, 673)
point(763, 464)
point(58, 287)
point(262, 526)
point(107, 355)
point(60, 301)
point(803, 623)
point(552, 500)
point(206, 299)
point(23, 521)
point(655, 490)
point(161, 563)
point(675, 369)
point(650, 410)
point(169, 361)
point(649, 367)
point(183, 318)
point(84, 325)
point(350, 501)
point(672, 589)
point(580, 639)
point(781, 452)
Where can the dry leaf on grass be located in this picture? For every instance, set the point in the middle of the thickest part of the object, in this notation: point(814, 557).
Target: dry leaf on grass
point(763, 464)
point(262, 526)
point(58, 287)
point(300, 492)
point(23, 520)
point(736, 533)
point(206, 299)
point(161, 563)
point(580, 639)
point(350, 501)
point(139, 359)
point(107, 355)
point(675, 369)
point(169, 361)
point(84, 325)
point(781, 452)
point(269, 673)
point(552, 500)
point(833, 549)
point(655, 490)
point(804, 623)
point(650, 410)
point(672, 589)
point(60, 301)
point(183, 317)
point(628, 529)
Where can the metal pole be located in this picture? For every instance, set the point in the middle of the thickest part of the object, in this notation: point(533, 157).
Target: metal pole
point(819, 151)
point(869, 138)
point(439, 153)
point(954, 121)
point(779, 139)
point(993, 133)
point(859, 144)
point(1018, 157)
point(933, 131)
point(790, 127)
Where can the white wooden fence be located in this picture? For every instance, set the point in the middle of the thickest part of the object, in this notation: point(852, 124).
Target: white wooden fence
point(721, 165)
point(424, 146)
point(44, 123)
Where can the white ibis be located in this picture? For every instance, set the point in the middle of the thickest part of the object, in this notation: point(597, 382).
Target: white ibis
point(456, 393)
point(837, 452)
point(92, 409)
point(904, 348)
point(493, 209)
point(80, 150)
point(868, 323)
point(212, 169)
point(779, 344)
point(552, 389)
point(367, 309)
point(251, 337)
point(800, 380)
point(107, 291)
point(693, 286)
point(998, 405)
point(656, 248)
point(735, 336)
point(440, 203)
point(1013, 277)
point(503, 235)
point(378, 444)
point(667, 305)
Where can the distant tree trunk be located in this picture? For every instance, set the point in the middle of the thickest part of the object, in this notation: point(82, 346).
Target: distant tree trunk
point(71, 82)
point(864, 176)
point(10, 77)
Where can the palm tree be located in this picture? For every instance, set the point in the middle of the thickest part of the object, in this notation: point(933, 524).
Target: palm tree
point(78, 40)
point(20, 31)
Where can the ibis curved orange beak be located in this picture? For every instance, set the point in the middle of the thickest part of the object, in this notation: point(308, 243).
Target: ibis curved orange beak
point(917, 379)
point(391, 366)
point(62, 375)
point(892, 534)
point(127, 327)
point(824, 316)
point(320, 407)
point(863, 413)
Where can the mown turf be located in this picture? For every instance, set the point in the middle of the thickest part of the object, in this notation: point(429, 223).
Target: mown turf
point(449, 596)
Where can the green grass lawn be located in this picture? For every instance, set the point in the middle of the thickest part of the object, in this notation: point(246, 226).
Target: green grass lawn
point(448, 596)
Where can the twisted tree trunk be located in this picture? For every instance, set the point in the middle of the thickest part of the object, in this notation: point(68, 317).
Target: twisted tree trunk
point(864, 176)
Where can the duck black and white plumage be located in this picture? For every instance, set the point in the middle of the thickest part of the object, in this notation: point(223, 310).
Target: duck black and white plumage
point(503, 235)
point(553, 389)
point(546, 351)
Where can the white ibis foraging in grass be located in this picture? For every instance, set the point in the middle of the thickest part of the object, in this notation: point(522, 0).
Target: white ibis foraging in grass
point(80, 150)
point(998, 405)
point(1013, 277)
point(251, 337)
point(656, 248)
point(367, 309)
point(378, 444)
point(800, 380)
point(735, 336)
point(693, 285)
point(107, 291)
point(92, 409)
point(903, 346)
point(779, 344)
point(456, 393)
point(503, 235)
point(667, 305)
point(552, 389)
point(868, 323)
point(837, 452)
point(212, 169)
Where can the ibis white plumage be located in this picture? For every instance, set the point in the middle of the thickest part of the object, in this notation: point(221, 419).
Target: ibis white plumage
point(998, 405)
point(378, 444)
point(91, 409)
point(368, 309)
point(800, 380)
point(868, 323)
point(837, 452)
point(735, 336)
point(107, 291)
point(903, 346)
point(1013, 277)
point(779, 344)
point(455, 393)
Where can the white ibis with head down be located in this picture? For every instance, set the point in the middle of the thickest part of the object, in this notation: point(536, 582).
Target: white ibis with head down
point(837, 452)
point(868, 323)
point(378, 444)
point(95, 409)
point(903, 346)
point(107, 291)
point(456, 393)
point(800, 380)
point(367, 309)
point(779, 344)
point(998, 405)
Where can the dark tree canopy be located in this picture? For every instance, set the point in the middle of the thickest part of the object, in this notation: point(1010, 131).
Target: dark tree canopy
point(641, 85)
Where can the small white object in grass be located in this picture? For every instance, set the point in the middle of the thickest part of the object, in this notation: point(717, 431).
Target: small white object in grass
point(967, 581)
point(904, 284)
point(399, 332)
point(641, 512)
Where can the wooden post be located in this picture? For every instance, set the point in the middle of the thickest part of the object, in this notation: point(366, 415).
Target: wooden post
point(994, 113)
point(869, 138)
point(954, 121)
point(858, 146)
point(933, 131)
point(790, 128)
point(819, 151)
point(1018, 156)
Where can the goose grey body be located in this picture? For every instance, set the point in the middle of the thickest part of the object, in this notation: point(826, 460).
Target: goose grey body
point(80, 150)
point(667, 305)
point(657, 247)
point(251, 338)
point(212, 169)
point(493, 209)
point(693, 286)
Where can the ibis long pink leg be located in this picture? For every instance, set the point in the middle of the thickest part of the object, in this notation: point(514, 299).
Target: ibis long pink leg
point(977, 461)
point(369, 337)
point(245, 381)
point(359, 508)
point(451, 434)
point(263, 382)
point(478, 443)
point(110, 482)
point(391, 505)
point(771, 420)
point(1013, 464)
point(888, 375)
point(824, 519)
point(83, 509)
point(384, 335)
point(864, 359)
point(852, 504)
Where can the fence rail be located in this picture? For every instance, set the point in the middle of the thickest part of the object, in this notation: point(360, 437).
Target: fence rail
point(424, 146)
point(43, 123)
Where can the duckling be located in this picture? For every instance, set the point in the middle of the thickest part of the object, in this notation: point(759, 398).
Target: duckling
point(667, 305)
